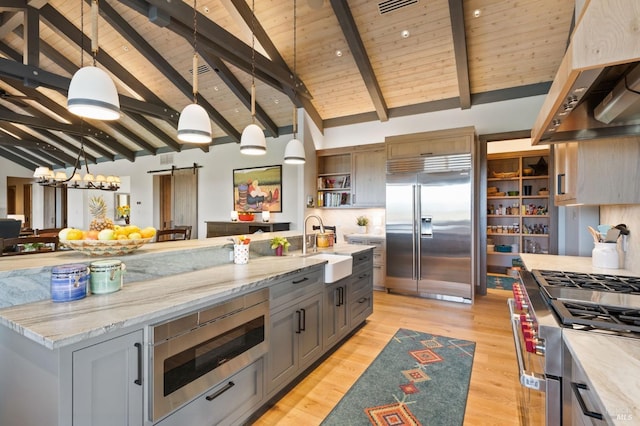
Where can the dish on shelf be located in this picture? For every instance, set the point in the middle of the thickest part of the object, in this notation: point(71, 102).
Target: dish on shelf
point(543, 192)
point(513, 193)
point(246, 217)
point(504, 175)
point(528, 171)
point(492, 190)
point(105, 247)
point(497, 194)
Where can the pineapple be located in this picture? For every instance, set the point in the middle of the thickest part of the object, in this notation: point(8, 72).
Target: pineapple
point(98, 209)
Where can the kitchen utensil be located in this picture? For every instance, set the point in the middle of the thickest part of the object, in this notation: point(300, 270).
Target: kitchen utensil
point(594, 234)
point(612, 235)
point(623, 229)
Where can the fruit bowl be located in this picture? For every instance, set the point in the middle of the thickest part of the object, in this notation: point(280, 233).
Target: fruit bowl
point(105, 247)
point(246, 217)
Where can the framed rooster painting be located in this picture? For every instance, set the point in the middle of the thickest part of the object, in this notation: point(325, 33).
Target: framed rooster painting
point(258, 189)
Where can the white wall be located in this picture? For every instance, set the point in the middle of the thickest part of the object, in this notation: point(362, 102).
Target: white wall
point(215, 177)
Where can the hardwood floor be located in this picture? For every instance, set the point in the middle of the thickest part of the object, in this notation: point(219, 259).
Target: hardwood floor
point(495, 395)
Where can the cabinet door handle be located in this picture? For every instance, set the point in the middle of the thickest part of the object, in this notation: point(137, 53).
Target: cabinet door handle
point(341, 295)
point(220, 392)
point(561, 180)
point(362, 300)
point(138, 381)
point(299, 315)
point(304, 319)
point(336, 296)
point(365, 275)
point(300, 280)
point(576, 391)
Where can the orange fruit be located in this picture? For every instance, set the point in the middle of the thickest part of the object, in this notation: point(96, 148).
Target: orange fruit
point(148, 232)
point(74, 234)
point(135, 236)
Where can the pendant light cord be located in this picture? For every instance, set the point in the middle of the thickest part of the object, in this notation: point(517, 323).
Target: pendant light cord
point(295, 74)
point(253, 62)
point(195, 51)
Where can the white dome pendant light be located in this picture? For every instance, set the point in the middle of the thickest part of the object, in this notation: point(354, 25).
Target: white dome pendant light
point(92, 93)
point(294, 152)
point(194, 125)
point(252, 141)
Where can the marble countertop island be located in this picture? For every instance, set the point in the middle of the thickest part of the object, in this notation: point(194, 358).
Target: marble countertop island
point(611, 363)
point(155, 297)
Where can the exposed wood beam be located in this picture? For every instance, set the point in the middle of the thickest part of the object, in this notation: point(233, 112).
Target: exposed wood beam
point(456, 13)
point(43, 123)
point(155, 131)
point(127, 31)
point(26, 141)
point(31, 146)
point(53, 81)
point(350, 31)
point(73, 35)
point(18, 160)
point(31, 52)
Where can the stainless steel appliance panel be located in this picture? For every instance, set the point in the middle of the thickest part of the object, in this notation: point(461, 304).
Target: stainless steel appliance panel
point(401, 228)
point(445, 231)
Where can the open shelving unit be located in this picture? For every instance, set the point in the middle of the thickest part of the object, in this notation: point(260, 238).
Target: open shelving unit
point(520, 214)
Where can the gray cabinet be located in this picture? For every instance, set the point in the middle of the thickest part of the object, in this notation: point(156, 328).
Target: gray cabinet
point(100, 381)
point(107, 382)
point(602, 171)
point(426, 144)
point(360, 294)
point(229, 402)
point(295, 333)
point(379, 256)
point(335, 323)
point(222, 229)
point(368, 180)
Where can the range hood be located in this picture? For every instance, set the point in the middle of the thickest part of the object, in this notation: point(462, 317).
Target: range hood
point(594, 92)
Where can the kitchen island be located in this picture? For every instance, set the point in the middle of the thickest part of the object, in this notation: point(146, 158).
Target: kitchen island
point(603, 366)
point(50, 351)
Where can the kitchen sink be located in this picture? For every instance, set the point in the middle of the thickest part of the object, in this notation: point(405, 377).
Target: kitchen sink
point(338, 266)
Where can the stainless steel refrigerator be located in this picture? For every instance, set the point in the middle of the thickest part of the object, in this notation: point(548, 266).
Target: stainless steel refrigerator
point(429, 227)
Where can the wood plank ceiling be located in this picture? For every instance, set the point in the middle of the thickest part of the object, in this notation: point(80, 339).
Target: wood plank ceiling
point(356, 61)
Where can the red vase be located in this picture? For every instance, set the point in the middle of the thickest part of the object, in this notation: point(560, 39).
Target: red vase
point(279, 250)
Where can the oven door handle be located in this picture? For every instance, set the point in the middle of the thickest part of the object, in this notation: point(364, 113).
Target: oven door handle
point(528, 379)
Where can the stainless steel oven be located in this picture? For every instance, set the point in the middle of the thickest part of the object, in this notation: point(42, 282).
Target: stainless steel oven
point(547, 302)
point(192, 353)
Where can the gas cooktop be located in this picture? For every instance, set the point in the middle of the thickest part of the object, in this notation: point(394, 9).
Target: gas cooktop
point(595, 282)
point(593, 316)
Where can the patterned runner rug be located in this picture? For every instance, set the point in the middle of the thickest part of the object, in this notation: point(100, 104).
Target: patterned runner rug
point(418, 379)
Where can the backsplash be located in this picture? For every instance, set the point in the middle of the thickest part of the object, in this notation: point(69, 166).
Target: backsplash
point(630, 216)
point(345, 220)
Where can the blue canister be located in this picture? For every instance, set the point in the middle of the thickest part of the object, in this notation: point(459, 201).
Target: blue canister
point(106, 276)
point(69, 282)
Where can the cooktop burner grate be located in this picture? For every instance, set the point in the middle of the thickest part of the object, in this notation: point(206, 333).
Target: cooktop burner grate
point(598, 316)
point(595, 282)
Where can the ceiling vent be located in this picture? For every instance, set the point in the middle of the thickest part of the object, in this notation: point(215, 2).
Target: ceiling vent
point(389, 6)
point(166, 159)
point(201, 69)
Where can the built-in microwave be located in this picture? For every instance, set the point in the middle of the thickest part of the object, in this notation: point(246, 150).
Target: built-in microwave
point(194, 352)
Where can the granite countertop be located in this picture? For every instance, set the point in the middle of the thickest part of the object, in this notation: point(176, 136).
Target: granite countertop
point(611, 365)
point(610, 362)
point(55, 325)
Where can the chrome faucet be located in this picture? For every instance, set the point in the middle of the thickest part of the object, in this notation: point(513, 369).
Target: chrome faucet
point(304, 231)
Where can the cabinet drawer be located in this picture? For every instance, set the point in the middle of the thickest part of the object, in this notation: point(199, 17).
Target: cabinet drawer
point(295, 286)
point(362, 260)
point(361, 307)
point(226, 403)
point(362, 281)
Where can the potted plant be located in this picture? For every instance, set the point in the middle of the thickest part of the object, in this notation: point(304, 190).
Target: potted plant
point(362, 222)
point(280, 244)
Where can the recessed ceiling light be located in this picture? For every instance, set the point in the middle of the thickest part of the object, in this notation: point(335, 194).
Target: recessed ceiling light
point(276, 101)
point(405, 34)
point(215, 88)
point(476, 13)
point(206, 9)
point(125, 48)
point(338, 53)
